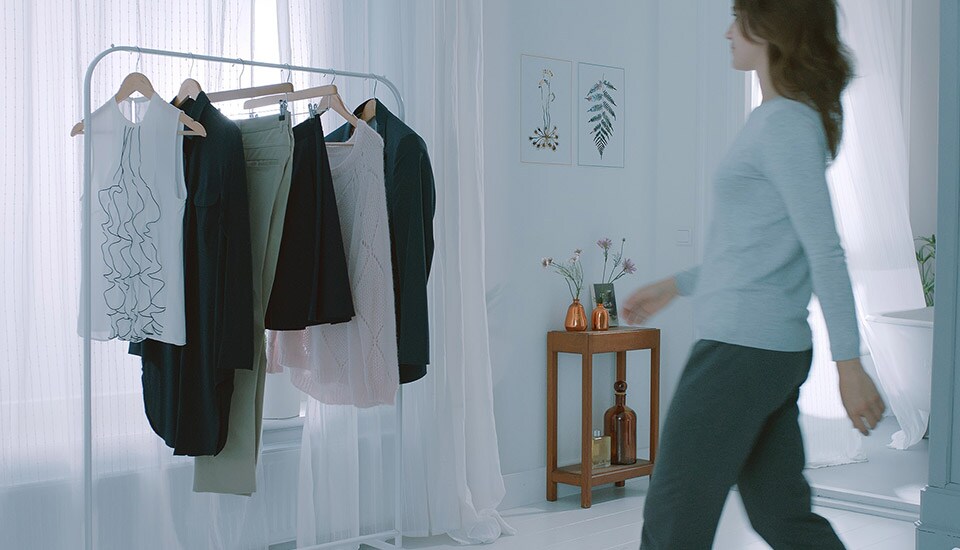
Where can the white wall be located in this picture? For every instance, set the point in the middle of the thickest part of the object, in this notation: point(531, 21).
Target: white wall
point(681, 116)
point(537, 210)
point(921, 110)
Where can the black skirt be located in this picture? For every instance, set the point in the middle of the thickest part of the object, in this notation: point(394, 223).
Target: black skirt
point(311, 286)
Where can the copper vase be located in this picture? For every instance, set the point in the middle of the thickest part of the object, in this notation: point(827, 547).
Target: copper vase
point(576, 317)
point(601, 317)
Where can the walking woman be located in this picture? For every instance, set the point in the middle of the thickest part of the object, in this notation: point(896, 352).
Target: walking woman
point(772, 242)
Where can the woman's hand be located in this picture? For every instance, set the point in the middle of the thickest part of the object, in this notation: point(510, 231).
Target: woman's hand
point(646, 301)
point(859, 396)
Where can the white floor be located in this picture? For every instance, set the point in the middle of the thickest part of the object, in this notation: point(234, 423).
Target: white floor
point(889, 478)
point(615, 520)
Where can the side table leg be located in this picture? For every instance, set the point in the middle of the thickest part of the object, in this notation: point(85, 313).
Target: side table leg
point(654, 400)
point(621, 375)
point(586, 428)
point(552, 358)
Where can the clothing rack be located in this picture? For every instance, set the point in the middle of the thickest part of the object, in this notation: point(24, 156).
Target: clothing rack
point(377, 540)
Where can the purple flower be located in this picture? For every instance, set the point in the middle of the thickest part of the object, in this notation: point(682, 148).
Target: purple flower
point(605, 244)
point(629, 267)
point(546, 262)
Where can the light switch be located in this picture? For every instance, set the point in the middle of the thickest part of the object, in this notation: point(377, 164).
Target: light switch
point(683, 237)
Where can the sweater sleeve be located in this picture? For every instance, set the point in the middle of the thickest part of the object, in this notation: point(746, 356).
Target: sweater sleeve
point(686, 281)
point(793, 158)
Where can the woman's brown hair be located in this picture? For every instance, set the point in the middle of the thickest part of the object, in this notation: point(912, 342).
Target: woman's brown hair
point(808, 61)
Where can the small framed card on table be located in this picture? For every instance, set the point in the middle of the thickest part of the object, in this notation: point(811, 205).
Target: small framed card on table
point(604, 293)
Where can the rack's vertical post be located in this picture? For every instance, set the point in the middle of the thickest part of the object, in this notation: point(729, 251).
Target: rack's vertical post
point(397, 492)
point(85, 314)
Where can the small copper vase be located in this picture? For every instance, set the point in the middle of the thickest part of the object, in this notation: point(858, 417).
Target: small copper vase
point(576, 317)
point(601, 317)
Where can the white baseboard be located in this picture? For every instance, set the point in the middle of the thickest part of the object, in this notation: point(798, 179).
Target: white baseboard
point(864, 508)
point(894, 508)
point(530, 487)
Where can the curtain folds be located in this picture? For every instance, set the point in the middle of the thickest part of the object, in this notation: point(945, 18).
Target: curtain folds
point(869, 185)
point(142, 494)
point(432, 51)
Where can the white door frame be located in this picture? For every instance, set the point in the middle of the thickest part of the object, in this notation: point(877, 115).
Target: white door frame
point(939, 525)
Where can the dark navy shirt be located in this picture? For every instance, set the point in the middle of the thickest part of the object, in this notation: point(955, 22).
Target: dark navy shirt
point(187, 389)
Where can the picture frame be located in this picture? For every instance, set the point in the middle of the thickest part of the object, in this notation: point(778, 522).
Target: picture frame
point(600, 115)
point(605, 293)
point(546, 110)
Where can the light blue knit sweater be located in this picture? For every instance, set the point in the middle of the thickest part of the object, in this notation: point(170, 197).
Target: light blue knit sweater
point(772, 240)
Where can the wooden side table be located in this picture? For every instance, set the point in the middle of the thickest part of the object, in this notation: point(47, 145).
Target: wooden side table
point(615, 340)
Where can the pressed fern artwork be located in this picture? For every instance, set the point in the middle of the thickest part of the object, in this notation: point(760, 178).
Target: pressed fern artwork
point(546, 136)
point(601, 112)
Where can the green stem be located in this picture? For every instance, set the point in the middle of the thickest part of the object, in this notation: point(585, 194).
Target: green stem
point(604, 265)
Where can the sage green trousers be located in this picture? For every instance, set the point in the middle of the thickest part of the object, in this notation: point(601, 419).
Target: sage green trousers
point(268, 151)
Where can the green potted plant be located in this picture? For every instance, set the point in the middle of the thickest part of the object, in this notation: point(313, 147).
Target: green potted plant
point(926, 260)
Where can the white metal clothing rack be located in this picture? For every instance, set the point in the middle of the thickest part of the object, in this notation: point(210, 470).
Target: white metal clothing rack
point(377, 540)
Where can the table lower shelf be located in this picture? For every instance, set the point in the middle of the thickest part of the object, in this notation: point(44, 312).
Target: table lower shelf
point(571, 475)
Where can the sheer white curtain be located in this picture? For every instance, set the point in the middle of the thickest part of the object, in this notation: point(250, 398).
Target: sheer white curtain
point(870, 190)
point(143, 496)
point(432, 50)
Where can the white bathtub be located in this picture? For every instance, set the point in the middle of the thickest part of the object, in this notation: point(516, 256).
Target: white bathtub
point(901, 343)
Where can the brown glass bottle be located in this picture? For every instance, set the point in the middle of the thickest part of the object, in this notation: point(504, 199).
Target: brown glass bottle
point(620, 423)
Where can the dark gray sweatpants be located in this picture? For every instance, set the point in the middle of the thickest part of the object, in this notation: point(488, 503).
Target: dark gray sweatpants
point(733, 420)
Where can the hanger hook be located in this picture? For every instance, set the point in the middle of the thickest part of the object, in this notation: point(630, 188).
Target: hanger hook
point(375, 82)
point(243, 67)
point(289, 72)
point(139, 58)
point(193, 61)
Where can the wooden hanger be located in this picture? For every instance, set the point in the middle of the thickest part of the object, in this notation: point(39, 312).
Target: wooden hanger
point(330, 99)
point(369, 110)
point(256, 91)
point(138, 82)
point(335, 102)
point(189, 88)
